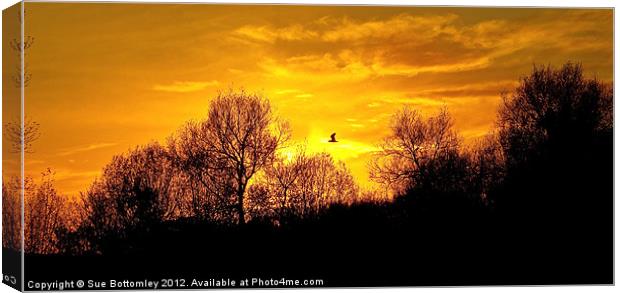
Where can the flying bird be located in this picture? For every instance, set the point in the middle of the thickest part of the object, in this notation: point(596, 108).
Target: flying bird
point(333, 136)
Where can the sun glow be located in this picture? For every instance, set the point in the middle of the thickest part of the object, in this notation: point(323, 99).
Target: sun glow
point(329, 69)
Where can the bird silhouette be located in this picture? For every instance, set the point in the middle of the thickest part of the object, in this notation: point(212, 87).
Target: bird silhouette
point(333, 136)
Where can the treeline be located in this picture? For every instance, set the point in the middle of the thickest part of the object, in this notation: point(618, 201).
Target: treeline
point(544, 172)
point(203, 173)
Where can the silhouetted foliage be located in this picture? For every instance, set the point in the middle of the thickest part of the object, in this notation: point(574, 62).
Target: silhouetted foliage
point(20, 135)
point(550, 108)
point(44, 213)
point(423, 162)
point(535, 193)
point(11, 213)
point(415, 149)
point(553, 130)
point(21, 47)
point(486, 168)
point(137, 191)
point(209, 193)
point(239, 138)
point(301, 186)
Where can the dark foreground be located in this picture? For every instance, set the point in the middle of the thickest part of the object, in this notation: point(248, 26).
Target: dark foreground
point(469, 252)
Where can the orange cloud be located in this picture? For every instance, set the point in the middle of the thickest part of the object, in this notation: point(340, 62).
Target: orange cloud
point(270, 34)
point(185, 86)
point(325, 69)
point(86, 148)
point(419, 27)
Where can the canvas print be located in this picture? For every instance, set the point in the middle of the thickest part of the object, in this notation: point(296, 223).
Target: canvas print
point(206, 146)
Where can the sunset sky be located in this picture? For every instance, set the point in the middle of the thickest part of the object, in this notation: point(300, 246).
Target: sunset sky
point(108, 77)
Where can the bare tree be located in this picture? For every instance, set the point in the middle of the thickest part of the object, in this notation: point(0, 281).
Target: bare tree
point(554, 106)
point(13, 130)
point(210, 185)
point(19, 135)
point(556, 133)
point(281, 177)
point(239, 138)
point(21, 47)
point(13, 133)
point(135, 191)
point(11, 213)
point(406, 156)
point(301, 186)
point(374, 196)
point(43, 214)
point(272, 196)
point(486, 166)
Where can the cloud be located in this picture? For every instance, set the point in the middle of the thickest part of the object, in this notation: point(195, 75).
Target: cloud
point(407, 45)
point(66, 174)
point(270, 34)
point(287, 91)
point(185, 86)
point(383, 69)
point(323, 68)
point(422, 27)
point(87, 148)
point(483, 89)
point(348, 65)
point(345, 29)
point(74, 181)
point(297, 93)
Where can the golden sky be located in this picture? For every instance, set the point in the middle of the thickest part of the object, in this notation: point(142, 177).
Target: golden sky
point(108, 77)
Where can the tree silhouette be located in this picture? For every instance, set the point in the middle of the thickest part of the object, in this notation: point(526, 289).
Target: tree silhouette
point(301, 186)
point(486, 167)
point(210, 184)
point(43, 214)
point(553, 106)
point(555, 131)
point(14, 130)
point(11, 213)
point(20, 47)
point(21, 135)
point(239, 138)
point(408, 156)
point(280, 178)
point(435, 181)
point(550, 129)
point(136, 191)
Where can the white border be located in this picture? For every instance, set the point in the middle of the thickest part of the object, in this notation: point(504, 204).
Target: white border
point(505, 3)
